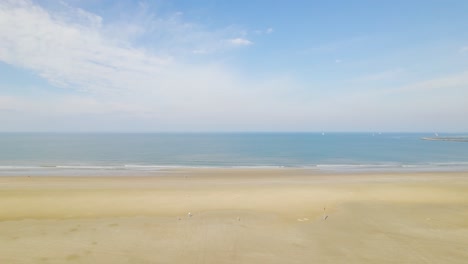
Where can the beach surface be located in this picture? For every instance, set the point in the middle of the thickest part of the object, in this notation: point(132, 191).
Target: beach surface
point(236, 216)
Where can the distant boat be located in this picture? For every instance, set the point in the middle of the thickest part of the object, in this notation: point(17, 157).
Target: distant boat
point(435, 134)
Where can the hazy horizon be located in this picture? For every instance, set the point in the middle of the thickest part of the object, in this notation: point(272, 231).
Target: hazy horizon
point(237, 66)
point(374, 133)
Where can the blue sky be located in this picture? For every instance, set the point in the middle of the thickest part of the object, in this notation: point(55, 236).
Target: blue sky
point(90, 65)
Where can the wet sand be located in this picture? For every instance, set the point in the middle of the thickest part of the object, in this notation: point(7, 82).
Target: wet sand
point(236, 216)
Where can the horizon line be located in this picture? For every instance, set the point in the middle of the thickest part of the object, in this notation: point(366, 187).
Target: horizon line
point(231, 132)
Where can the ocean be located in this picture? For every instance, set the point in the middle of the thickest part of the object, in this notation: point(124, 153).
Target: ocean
point(106, 153)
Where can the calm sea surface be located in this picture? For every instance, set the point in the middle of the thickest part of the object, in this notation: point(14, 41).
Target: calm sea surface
point(48, 152)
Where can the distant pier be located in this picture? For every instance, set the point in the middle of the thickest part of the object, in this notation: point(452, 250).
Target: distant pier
point(455, 139)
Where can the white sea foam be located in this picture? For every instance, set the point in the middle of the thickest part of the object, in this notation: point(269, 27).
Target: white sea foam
point(356, 166)
point(155, 168)
point(86, 167)
point(8, 167)
point(436, 166)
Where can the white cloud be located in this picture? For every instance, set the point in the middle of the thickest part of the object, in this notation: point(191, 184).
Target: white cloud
point(114, 76)
point(266, 31)
point(126, 84)
point(240, 42)
point(68, 54)
point(79, 54)
point(199, 51)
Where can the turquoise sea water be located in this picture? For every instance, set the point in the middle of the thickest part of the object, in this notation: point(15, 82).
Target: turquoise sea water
point(101, 152)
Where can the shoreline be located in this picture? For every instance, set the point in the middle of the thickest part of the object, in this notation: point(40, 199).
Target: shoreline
point(154, 170)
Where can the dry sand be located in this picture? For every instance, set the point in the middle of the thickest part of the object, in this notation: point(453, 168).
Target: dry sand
point(237, 216)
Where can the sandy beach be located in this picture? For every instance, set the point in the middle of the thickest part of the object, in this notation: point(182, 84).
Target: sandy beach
point(236, 216)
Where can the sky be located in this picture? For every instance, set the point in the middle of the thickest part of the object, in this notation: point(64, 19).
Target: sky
point(257, 65)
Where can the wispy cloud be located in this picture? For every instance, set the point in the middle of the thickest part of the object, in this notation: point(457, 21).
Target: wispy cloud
point(113, 74)
point(74, 50)
point(266, 31)
point(464, 50)
point(240, 42)
point(153, 72)
point(74, 54)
